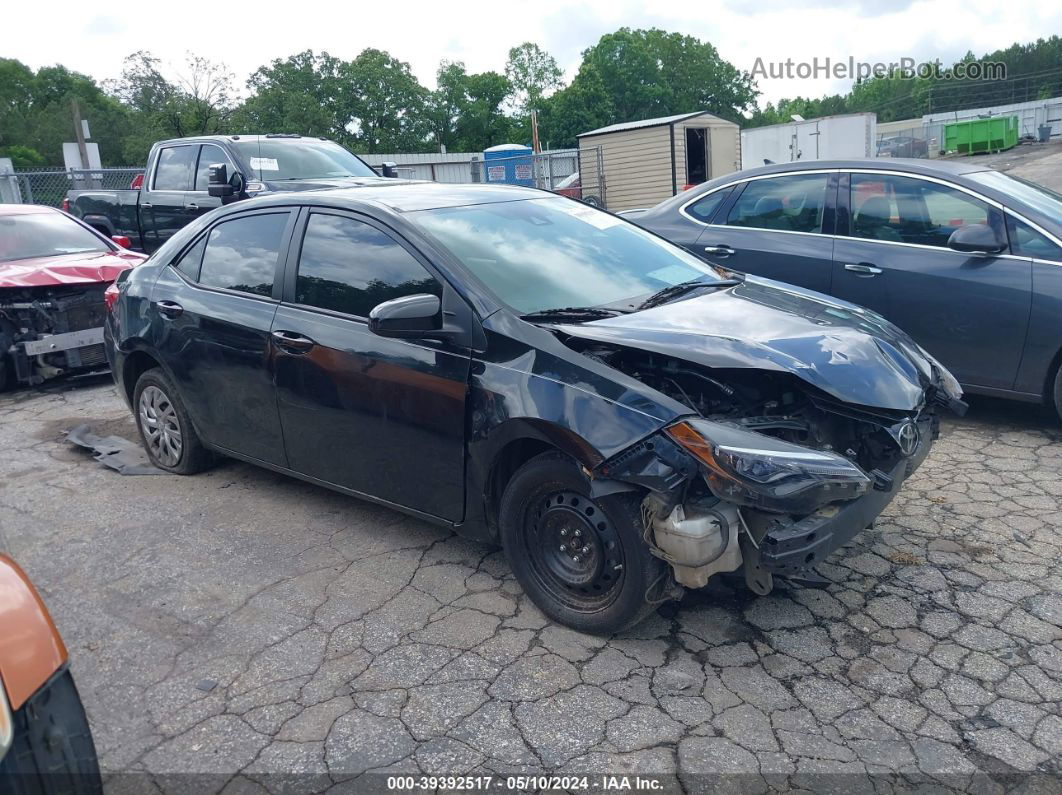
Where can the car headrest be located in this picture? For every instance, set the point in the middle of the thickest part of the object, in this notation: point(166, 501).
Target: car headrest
point(768, 206)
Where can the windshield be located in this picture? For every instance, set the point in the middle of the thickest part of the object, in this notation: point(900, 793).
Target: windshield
point(553, 253)
point(300, 158)
point(1035, 196)
point(45, 235)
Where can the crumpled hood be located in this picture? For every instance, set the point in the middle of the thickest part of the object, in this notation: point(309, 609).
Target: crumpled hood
point(325, 183)
point(848, 352)
point(67, 269)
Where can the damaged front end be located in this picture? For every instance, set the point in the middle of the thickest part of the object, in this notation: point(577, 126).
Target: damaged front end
point(767, 473)
point(48, 331)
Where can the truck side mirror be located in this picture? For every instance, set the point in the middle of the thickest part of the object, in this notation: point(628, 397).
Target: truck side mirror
point(218, 185)
point(389, 169)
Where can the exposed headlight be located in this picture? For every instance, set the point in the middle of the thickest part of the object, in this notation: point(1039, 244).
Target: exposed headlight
point(762, 472)
point(7, 725)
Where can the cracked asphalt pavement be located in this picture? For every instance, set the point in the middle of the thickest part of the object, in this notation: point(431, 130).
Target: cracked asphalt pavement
point(278, 636)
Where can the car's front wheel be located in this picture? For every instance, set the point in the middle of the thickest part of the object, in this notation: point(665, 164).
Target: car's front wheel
point(582, 561)
point(52, 749)
point(165, 428)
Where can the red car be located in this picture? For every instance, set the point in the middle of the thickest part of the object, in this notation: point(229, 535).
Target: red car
point(572, 187)
point(53, 272)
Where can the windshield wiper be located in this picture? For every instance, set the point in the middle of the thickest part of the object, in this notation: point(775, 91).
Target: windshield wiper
point(675, 290)
point(572, 313)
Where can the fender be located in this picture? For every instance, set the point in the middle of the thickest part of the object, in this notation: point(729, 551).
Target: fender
point(30, 647)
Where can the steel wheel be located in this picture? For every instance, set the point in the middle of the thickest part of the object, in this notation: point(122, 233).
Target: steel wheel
point(573, 551)
point(160, 425)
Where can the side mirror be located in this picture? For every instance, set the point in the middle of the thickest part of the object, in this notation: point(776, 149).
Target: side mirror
point(976, 239)
point(224, 187)
point(389, 169)
point(218, 185)
point(411, 316)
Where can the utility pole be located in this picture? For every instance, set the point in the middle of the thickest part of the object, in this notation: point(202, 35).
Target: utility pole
point(79, 132)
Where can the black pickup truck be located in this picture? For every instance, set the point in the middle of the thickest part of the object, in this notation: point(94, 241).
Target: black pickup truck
point(177, 187)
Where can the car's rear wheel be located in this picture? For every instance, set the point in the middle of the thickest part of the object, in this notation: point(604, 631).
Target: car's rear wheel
point(582, 561)
point(1057, 392)
point(165, 428)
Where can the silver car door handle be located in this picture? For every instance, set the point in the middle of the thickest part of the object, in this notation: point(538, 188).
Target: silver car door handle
point(191, 207)
point(863, 269)
point(145, 206)
point(719, 251)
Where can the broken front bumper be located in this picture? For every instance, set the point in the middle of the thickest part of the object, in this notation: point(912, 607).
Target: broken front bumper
point(793, 548)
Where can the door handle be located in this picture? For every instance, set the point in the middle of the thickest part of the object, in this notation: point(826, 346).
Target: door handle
point(290, 341)
point(191, 207)
point(863, 269)
point(719, 251)
point(145, 206)
point(170, 309)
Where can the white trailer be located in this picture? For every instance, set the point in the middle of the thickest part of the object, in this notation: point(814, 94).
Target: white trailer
point(829, 138)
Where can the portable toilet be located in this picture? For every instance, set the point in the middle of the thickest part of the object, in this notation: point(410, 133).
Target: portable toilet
point(510, 164)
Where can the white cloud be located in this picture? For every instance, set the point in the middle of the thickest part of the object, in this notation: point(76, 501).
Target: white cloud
point(245, 36)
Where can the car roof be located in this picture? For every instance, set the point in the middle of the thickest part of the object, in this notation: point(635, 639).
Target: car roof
point(271, 137)
point(944, 168)
point(25, 209)
point(406, 196)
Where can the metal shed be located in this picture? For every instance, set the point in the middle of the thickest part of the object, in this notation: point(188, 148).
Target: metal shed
point(644, 162)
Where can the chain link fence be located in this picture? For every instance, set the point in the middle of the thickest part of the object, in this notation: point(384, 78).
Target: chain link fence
point(50, 185)
point(566, 172)
point(574, 173)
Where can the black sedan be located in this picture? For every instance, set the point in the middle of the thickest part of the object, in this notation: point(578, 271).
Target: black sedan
point(966, 260)
point(624, 418)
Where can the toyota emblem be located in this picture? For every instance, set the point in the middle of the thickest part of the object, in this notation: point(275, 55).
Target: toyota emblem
point(907, 438)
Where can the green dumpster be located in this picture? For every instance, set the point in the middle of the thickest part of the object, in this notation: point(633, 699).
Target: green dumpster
point(981, 135)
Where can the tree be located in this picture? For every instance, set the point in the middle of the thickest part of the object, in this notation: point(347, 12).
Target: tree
point(198, 102)
point(583, 106)
point(35, 111)
point(465, 111)
point(382, 103)
point(533, 74)
point(298, 94)
point(639, 74)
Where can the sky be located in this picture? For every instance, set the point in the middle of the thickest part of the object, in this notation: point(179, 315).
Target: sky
point(246, 35)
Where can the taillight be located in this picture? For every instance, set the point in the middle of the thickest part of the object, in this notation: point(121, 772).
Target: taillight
point(66, 205)
point(137, 183)
point(110, 296)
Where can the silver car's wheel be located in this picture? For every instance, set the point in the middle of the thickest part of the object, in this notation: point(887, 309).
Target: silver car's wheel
point(161, 426)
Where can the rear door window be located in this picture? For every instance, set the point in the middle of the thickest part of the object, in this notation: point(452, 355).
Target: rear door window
point(242, 254)
point(792, 203)
point(704, 208)
point(1027, 242)
point(189, 262)
point(174, 169)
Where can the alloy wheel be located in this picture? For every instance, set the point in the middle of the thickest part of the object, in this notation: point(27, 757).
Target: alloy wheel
point(160, 426)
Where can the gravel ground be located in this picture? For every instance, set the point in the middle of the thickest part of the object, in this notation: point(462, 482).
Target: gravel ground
point(275, 635)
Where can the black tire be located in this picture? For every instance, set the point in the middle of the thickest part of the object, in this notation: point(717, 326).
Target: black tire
point(1056, 393)
point(6, 372)
point(52, 751)
point(170, 413)
point(592, 200)
point(545, 503)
